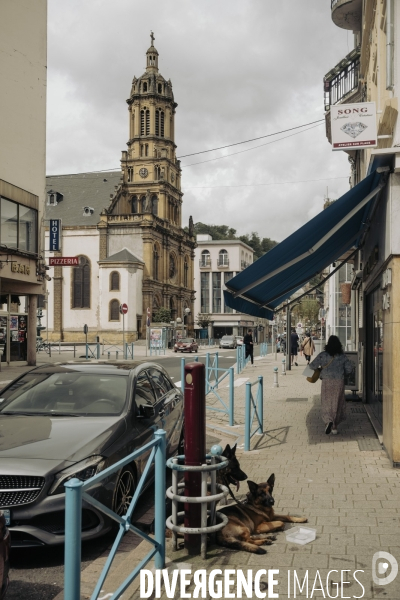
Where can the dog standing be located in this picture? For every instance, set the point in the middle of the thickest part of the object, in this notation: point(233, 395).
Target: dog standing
point(251, 523)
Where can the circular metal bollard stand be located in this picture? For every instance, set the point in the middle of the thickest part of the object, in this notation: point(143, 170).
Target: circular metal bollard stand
point(214, 462)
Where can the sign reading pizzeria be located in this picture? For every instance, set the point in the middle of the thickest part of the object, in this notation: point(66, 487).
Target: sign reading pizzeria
point(64, 261)
point(353, 126)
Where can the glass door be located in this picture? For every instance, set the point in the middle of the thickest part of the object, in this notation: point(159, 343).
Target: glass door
point(374, 349)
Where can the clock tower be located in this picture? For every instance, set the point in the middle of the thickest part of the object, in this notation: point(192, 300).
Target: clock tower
point(147, 204)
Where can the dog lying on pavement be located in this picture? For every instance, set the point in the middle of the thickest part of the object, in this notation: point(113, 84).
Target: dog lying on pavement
point(251, 523)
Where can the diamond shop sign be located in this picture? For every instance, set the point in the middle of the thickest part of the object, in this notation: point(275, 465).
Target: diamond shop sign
point(353, 126)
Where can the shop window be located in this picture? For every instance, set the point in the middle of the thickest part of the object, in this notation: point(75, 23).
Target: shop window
point(114, 281)
point(18, 226)
point(114, 313)
point(81, 284)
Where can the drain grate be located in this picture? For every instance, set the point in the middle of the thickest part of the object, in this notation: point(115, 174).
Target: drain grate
point(357, 409)
point(296, 399)
point(369, 444)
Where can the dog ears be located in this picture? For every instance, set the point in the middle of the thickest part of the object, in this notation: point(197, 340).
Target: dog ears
point(253, 487)
point(228, 452)
point(271, 480)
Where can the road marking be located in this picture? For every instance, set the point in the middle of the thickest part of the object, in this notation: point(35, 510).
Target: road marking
point(239, 381)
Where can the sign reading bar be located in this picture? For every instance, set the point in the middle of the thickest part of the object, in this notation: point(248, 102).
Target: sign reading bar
point(55, 232)
point(353, 126)
point(63, 261)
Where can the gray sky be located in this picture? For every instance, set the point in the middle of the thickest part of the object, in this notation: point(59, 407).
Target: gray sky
point(239, 68)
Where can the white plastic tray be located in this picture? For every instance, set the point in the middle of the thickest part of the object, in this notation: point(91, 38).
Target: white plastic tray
point(301, 535)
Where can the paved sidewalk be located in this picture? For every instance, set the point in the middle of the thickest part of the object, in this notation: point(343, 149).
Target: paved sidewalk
point(343, 484)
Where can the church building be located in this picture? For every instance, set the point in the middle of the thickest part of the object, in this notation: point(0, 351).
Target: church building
point(125, 228)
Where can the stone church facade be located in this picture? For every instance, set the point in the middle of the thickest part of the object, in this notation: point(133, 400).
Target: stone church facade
point(126, 228)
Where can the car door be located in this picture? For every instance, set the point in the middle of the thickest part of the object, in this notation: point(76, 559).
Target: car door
point(171, 402)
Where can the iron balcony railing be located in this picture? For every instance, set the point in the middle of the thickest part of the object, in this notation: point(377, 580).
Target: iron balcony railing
point(342, 79)
point(205, 262)
point(223, 261)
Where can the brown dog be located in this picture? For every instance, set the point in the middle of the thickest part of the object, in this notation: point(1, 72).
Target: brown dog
point(250, 523)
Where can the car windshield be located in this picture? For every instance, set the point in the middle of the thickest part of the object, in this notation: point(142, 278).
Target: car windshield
point(227, 338)
point(65, 393)
point(185, 341)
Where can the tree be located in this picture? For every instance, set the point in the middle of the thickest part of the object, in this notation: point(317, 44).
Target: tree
point(162, 315)
point(203, 320)
point(307, 310)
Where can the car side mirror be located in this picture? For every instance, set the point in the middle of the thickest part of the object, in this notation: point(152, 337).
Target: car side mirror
point(146, 411)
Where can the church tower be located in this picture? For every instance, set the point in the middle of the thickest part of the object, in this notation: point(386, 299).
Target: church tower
point(147, 204)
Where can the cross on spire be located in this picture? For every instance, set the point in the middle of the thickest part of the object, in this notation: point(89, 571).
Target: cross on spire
point(152, 38)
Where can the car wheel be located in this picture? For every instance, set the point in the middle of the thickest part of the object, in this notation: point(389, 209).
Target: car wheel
point(196, 350)
point(124, 490)
point(175, 351)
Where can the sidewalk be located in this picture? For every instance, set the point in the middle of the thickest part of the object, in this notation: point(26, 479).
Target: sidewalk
point(343, 484)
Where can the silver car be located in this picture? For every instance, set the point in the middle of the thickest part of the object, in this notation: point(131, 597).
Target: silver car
point(74, 420)
point(227, 341)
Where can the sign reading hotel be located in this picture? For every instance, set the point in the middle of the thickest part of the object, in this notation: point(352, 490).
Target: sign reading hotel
point(353, 126)
point(63, 261)
point(55, 232)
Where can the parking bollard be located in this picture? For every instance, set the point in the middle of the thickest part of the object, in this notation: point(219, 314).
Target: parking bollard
point(283, 366)
point(116, 355)
point(108, 355)
point(276, 384)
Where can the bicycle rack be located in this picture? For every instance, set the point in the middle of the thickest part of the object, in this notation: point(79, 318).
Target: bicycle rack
point(214, 462)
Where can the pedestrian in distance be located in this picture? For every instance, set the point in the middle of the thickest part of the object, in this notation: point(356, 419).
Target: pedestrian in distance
point(294, 345)
point(249, 345)
point(334, 365)
point(308, 347)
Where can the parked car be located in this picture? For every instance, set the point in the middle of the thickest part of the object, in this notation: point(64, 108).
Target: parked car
point(227, 341)
point(186, 345)
point(239, 340)
point(4, 555)
point(74, 420)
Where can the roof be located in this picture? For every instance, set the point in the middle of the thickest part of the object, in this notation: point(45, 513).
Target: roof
point(224, 243)
point(79, 190)
point(122, 256)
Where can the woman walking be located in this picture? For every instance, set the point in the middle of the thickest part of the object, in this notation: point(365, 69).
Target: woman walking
point(334, 366)
point(308, 347)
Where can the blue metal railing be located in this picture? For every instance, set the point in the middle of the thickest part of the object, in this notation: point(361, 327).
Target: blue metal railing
point(128, 350)
point(253, 409)
point(214, 376)
point(241, 360)
point(157, 350)
point(75, 492)
point(95, 353)
point(263, 349)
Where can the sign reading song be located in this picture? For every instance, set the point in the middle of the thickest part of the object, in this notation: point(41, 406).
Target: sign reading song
point(63, 261)
point(353, 125)
point(55, 233)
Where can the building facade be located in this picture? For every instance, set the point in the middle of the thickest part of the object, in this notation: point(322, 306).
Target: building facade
point(217, 261)
point(371, 73)
point(127, 227)
point(23, 45)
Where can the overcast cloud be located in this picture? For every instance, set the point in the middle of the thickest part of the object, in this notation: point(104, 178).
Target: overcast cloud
point(239, 69)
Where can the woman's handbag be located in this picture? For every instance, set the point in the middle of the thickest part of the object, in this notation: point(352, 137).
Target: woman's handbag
point(317, 373)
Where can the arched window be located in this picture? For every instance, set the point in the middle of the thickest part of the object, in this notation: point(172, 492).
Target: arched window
point(205, 259)
point(159, 122)
point(114, 314)
point(156, 257)
point(145, 122)
point(154, 205)
point(186, 272)
point(223, 259)
point(135, 203)
point(114, 281)
point(142, 204)
point(145, 87)
point(172, 307)
point(81, 284)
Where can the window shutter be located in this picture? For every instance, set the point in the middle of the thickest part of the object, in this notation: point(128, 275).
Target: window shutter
point(86, 286)
point(114, 310)
point(77, 302)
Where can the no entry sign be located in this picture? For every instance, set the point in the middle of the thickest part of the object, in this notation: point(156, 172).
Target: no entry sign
point(123, 309)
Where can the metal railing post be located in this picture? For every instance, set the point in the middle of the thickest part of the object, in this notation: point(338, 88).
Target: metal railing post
point(74, 350)
point(59, 346)
point(247, 416)
point(207, 371)
point(216, 369)
point(175, 505)
point(231, 395)
point(98, 350)
point(204, 475)
point(72, 551)
point(116, 355)
point(260, 407)
point(237, 359)
point(87, 352)
point(159, 507)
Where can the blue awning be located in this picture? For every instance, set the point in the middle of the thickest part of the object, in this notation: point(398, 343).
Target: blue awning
point(265, 284)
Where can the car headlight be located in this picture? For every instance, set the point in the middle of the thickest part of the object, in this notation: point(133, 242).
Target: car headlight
point(83, 470)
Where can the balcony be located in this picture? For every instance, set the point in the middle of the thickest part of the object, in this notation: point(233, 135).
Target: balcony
point(223, 262)
point(347, 14)
point(342, 85)
point(244, 264)
point(205, 262)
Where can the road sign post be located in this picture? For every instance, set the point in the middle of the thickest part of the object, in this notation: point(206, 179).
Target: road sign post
point(123, 309)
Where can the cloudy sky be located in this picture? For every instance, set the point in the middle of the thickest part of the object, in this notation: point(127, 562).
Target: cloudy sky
point(240, 69)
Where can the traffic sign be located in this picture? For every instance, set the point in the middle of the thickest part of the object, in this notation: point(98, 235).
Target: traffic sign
point(123, 308)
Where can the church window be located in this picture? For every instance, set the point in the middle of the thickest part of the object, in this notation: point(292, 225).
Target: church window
point(159, 88)
point(81, 284)
point(186, 272)
point(145, 87)
point(154, 205)
point(155, 262)
point(162, 123)
point(157, 122)
point(114, 281)
point(114, 314)
point(145, 122)
point(142, 204)
point(134, 204)
point(146, 149)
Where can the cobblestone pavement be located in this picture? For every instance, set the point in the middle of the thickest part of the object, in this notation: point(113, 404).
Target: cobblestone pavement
point(343, 484)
